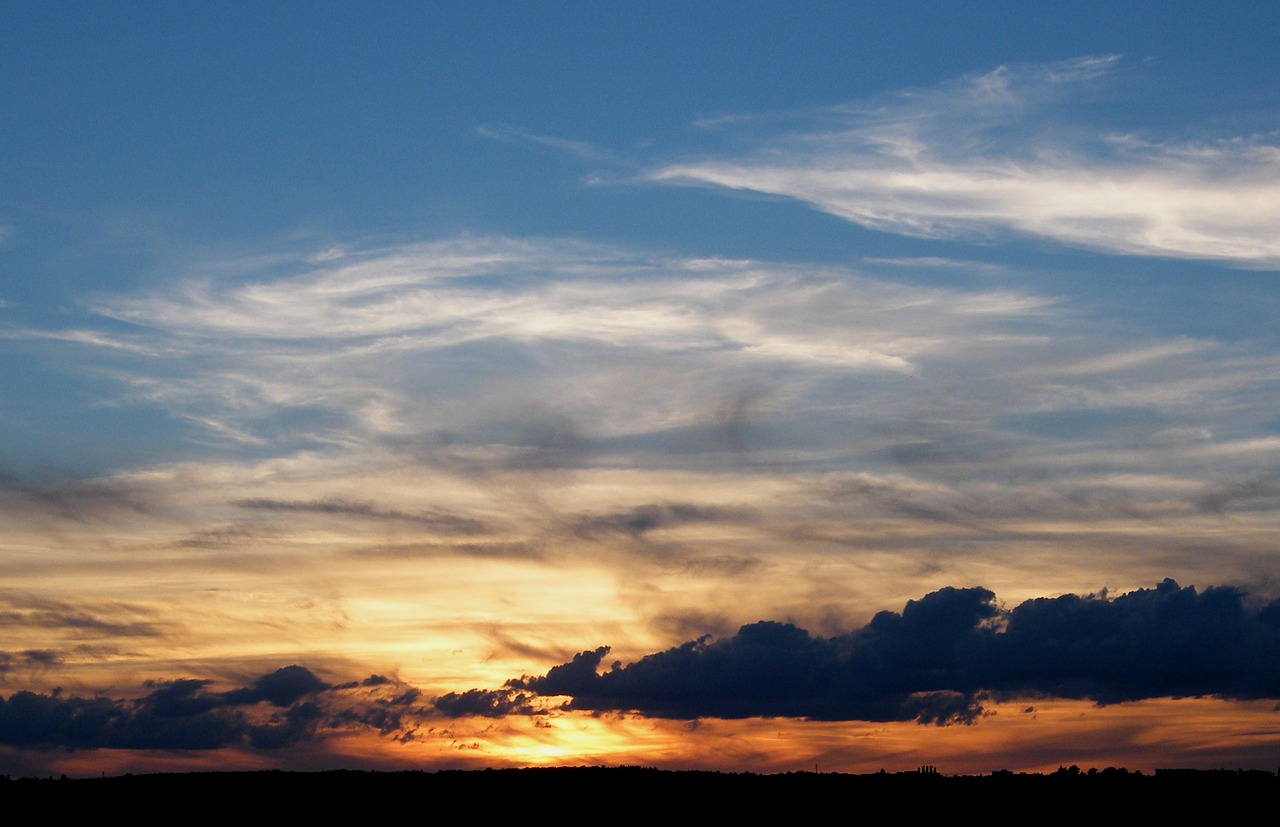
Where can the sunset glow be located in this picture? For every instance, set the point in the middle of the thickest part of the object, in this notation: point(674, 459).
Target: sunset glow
point(838, 388)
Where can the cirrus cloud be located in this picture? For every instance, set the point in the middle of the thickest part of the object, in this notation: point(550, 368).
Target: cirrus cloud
point(991, 154)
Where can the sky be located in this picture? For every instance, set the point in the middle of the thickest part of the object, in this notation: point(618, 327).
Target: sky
point(741, 386)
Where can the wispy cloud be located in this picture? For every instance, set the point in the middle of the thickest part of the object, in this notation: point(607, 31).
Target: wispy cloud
point(85, 337)
point(390, 448)
point(541, 356)
point(103, 619)
point(346, 336)
point(992, 154)
point(579, 149)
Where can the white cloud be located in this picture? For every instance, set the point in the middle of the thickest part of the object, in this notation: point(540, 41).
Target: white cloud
point(992, 154)
point(393, 448)
point(448, 294)
point(91, 338)
point(580, 149)
point(537, 355)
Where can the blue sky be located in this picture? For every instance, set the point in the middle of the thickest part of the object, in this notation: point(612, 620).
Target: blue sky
point(145, 140)
point(447, 341)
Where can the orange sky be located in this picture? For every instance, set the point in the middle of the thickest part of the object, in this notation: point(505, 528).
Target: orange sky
point(1037, 737)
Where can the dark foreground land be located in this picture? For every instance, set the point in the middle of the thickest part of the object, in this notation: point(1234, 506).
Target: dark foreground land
point(589, 793)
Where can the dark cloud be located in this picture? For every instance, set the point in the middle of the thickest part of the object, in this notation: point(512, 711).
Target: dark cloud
point(1166, 641)
point(282, 687)
point(637, 521)
point(546, 443)
point(391, 715)
point(107, 619)
point(485, 703)
point(734, 418)
point(434, 519)
point(935, 661)
point(941, 708)
point(276, 710)
point(284, 729)
point(386, 720)
point(926, 452)
point(418, 550)
point(181, 698)
point(174, 716)
point(1219, 499)
point(234, 535)
point(896, 500)
point(80, 499)
point(884, 672)
point(514, 646)
point(721, 565)
point(30, 659)
point(405, 698)
point(732, 429)
point(1032, 498)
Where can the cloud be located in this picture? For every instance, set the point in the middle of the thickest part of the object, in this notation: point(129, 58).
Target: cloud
point(1223, 497)
point(186, 714)
point(545, 355)
point(484, 703)
point(578, 149)
point(282, 687)
point(110, 619)
point(438, 520)
point(941, 660)
point(81, 500)
point(994, 153)
point(935, 661)
point(30, 658)
point(643, 519)
point(488, 429)
point(511, 345)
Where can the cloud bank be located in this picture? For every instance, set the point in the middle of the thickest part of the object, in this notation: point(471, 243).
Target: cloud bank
point(946, 658)
point(279, 709)
point(1012, 151)
point(934, 662)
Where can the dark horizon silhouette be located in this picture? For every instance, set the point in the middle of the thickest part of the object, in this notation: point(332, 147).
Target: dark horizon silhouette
point(651, 792)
